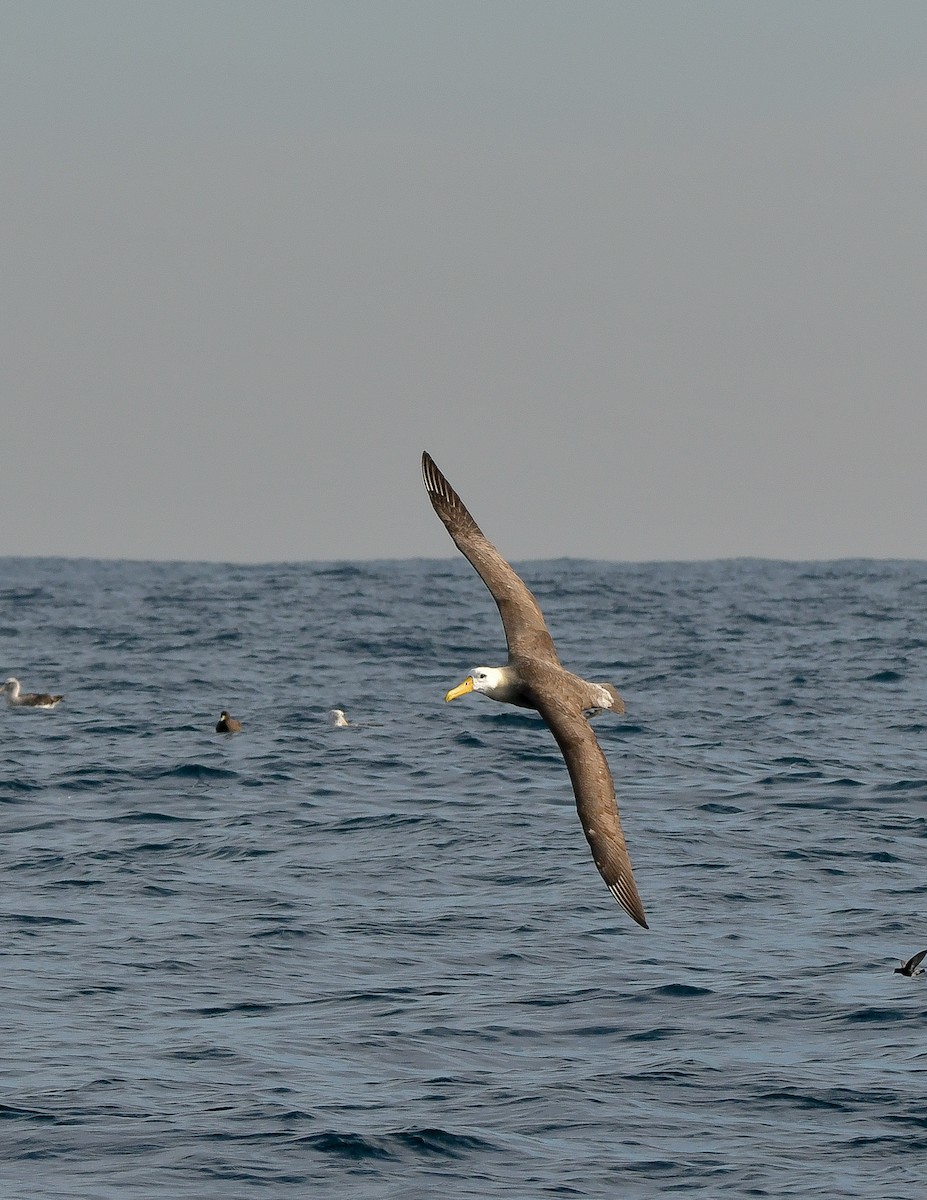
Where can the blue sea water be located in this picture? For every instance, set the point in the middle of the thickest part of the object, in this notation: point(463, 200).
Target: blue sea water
point(379, 962)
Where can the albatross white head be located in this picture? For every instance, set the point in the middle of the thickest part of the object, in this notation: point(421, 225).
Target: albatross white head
point(494, 682)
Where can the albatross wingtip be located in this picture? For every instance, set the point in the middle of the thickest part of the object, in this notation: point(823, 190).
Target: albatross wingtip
point(625, 892)
point(431, 473)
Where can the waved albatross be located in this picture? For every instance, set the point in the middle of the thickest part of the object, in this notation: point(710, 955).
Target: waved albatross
point(27, 699)
point(534, 678)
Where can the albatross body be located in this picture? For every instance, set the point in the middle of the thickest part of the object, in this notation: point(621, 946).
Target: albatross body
point(17, 699)
point(534, 678)
point(913, 965)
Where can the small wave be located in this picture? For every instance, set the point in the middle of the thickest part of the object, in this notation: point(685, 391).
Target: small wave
point(428, 1142)
point(205, 1054)
point(150, 817)
point(340, 570)
point(681, 989)
point(23, 595)
point(18, 785)
point(236, 853)
point(33, 919)
point(194, 771)
point(248, 1007)
point(285, 933)
point(432, 1141)
point(792, 1098)
point(656, 1034)
point(873, 1015)
point(470, 740)
point(353, 1146)
point(94, 779)
point(16, 1112)
point(790, 777)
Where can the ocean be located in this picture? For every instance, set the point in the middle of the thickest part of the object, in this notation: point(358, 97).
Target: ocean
point(378, 961)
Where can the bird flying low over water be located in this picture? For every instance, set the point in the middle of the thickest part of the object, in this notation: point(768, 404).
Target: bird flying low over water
point(15, 699)
point(534, 678)
point(227, 724)
point(913, 965)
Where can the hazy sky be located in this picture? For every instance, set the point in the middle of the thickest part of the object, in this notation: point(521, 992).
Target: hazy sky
point(647, 277)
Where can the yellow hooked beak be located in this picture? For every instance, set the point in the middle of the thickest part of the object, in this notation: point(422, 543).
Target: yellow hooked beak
point(460, 690)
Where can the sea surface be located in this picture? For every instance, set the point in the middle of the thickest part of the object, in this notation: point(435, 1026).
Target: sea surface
point(378, 961)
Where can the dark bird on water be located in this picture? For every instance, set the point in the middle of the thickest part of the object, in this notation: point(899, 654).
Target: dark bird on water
point(15, 699)
point(534, 678)
point(227, 724)
point(913, 965)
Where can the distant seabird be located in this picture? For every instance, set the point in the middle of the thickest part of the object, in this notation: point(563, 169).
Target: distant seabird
point(337, 718)
point(912, 966)
point(534, 678)
point(227, 724)
point(28, 699)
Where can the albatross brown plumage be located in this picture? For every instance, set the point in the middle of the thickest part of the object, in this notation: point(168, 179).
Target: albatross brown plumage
point(913, 965)
point(17, 699)
point(534, 678)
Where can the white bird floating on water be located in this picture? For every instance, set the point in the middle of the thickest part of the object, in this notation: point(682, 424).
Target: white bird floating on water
point(534, 678)
point(337, 718)
point(16, 699)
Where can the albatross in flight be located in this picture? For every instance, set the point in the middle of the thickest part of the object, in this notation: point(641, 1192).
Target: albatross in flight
point(534, 678)
point(913, 965)
point(16, 699)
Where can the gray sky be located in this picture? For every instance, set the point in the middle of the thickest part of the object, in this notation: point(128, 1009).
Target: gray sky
point(647, 278)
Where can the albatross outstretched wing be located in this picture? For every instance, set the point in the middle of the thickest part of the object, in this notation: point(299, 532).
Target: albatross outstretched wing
point(525, 628)
point(596, 804)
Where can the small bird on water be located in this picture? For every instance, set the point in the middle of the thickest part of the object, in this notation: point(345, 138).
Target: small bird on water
point(534, 678)
point(27, 699)
point(912, 966)
point(337, 718)
point(227, 724)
